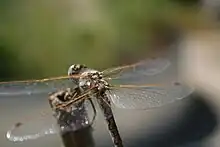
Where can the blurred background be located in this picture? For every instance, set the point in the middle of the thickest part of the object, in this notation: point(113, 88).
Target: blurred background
point(42, 38)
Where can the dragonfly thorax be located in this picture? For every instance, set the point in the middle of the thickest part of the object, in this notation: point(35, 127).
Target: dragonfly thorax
point(92, 79)
point(88, 78)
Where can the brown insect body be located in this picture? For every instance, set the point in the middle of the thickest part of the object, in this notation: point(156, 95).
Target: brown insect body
point(92, 79)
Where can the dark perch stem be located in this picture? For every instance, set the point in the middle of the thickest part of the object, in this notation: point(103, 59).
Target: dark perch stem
point(79, 138)
point(105, 104)
point(74, 123)
point(82, 137)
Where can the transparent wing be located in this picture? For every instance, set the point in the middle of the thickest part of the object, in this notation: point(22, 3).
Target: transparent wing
point(30, 87)
point(146, 97)
point(47, 124)
point(32, 129)
point(146, 67)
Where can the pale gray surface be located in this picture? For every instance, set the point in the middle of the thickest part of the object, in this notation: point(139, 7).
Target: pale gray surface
point(186, 123)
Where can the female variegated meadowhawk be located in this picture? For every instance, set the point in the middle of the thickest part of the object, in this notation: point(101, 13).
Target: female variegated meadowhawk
point(123, 86)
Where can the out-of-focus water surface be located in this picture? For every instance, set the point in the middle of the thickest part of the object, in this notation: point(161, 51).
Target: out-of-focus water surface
point(187, 123)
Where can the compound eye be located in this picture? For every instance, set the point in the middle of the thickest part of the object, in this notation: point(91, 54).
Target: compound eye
point(71, 70)
point(75, 69)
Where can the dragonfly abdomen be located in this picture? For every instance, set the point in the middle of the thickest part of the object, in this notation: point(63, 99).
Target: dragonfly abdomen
point(104, 104)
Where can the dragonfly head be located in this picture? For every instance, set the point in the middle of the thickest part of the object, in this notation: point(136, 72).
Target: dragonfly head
point(75, 69)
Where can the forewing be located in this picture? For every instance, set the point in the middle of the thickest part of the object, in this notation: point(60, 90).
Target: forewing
point(147, 97)
point(148, 67)
point(31, 87)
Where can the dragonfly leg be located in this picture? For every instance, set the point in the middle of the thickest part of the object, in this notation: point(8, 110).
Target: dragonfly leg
point(95, 113)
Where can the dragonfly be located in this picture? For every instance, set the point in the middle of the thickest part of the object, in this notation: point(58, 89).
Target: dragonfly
point(123, 86)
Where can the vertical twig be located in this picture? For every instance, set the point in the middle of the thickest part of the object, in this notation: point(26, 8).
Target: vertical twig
point(79, 138)
point(74, 123)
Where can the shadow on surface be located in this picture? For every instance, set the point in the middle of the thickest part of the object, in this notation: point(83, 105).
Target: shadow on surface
point(196, 123)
